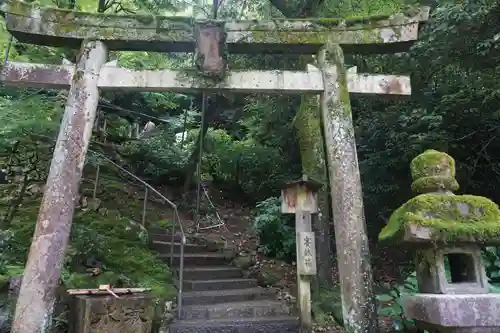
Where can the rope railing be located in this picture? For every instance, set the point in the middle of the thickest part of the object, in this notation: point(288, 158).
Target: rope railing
point(177, 222)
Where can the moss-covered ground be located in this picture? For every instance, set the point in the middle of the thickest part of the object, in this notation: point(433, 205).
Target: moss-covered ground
point(108, 244)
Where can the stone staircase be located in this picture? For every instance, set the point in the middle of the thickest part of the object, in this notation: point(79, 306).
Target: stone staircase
point(217, 298)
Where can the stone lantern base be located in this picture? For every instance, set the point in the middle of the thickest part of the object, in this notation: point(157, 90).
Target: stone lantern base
point(479, 313)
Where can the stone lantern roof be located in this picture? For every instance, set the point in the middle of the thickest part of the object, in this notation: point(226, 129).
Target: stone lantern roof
point(436, 215)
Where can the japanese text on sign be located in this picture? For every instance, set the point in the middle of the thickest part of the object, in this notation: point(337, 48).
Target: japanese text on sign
point(306, 261)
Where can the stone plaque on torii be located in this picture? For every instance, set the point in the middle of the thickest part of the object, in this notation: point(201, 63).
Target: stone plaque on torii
point(95, 34)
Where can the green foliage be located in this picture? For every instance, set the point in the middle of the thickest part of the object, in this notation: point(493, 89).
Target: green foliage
point(491, 259)
point(167, 224)
point(494, 288)
point(389, 303)
point(157, 156)
point(276, 230)
point(255, 169)
point(327, 306)
point(5, 236)
point(118, 254)
point(453, 109)
point(19, 120)
point(363, 8)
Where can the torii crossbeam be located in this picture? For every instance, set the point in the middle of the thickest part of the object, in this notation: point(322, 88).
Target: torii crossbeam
point(95, 34)
point(278, 81)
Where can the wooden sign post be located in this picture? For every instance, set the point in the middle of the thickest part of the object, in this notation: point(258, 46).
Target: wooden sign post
point(300, 198)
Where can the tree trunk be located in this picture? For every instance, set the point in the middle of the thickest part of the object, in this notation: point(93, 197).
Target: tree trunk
point(37, 295)
point(194, 157)
point(312, 152)
point(308, 126)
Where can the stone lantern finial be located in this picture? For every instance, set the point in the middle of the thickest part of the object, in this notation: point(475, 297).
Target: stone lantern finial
point(433, 172)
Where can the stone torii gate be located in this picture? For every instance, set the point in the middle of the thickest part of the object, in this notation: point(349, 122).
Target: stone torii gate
point(95, 34)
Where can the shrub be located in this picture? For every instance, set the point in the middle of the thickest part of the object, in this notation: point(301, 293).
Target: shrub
point(276, 230)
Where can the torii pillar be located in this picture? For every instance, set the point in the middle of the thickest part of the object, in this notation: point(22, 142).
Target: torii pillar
point(351, 239)
point(53, 226)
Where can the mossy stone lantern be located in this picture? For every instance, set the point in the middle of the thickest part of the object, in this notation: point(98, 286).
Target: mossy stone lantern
point(447, 231)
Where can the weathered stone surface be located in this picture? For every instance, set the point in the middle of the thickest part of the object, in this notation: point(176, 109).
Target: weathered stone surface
point(460, 219)
point(414, 235)
point(467, 274)
point(307, 123)
point(440, 329)
point(353, 252)
point(436, 218)
point(127, 314)
point(433, 171)
point(8, 297)
point(211, 49)
point(36, 300)
point(454, 310)
point(59, 27)
point(439, 216)
point(37, 75)
point(111, 78)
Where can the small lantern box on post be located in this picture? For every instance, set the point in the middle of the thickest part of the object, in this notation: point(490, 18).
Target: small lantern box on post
point(300, 198)
point(111, 310)
point(447, 232)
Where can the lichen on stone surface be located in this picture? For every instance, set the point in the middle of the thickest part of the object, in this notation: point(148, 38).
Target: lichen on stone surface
point(214, 76)
point(433, 171)
point(431, 162)
point(193, 77)
point(433, 183)
point(308, 125)
point(319, 34)
point(75, 26)
point(350, 30)
point(334, 56)
point(449, 216)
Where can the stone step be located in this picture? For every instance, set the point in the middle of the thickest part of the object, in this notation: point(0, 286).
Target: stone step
point(165, 247)
point(198, 259)
point(231, 295)
point(248, 309)
point(211, 272)
point(166, 237)
point(225, 284)
point(198, 239)
point(286, 324)
point(162, 231)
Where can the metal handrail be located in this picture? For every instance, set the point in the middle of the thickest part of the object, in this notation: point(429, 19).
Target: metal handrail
point(148, 187)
